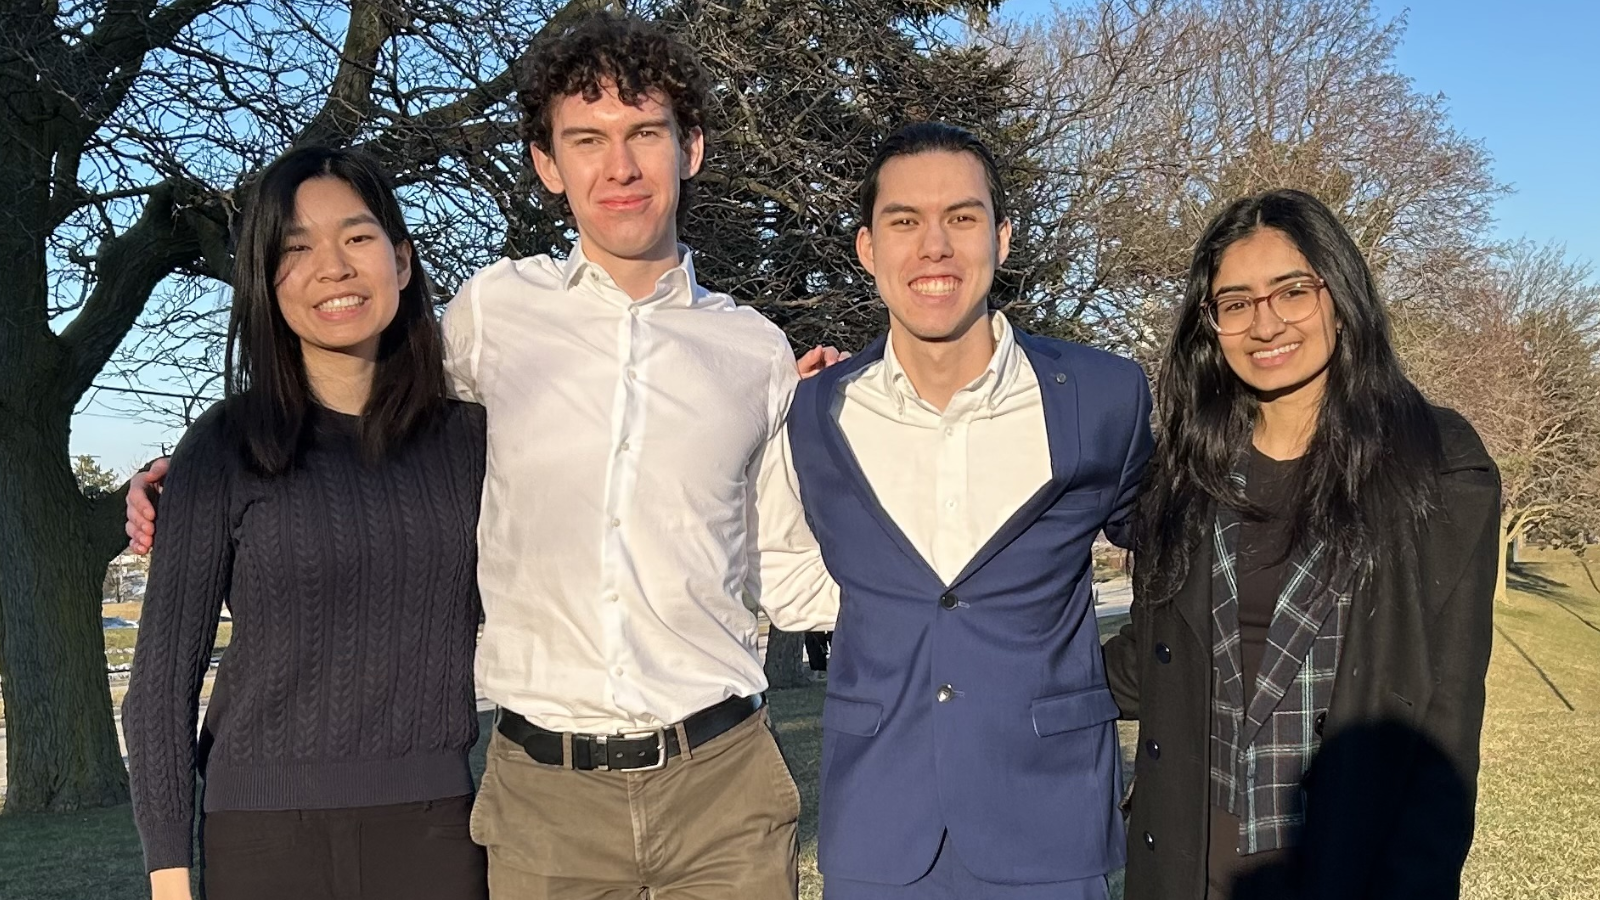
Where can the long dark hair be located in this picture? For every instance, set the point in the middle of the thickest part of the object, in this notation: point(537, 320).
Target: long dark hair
point(1370, 470)
point(268, 395)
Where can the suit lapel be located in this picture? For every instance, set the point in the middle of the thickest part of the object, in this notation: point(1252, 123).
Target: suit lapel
point(1058, 392)
point(845, 460)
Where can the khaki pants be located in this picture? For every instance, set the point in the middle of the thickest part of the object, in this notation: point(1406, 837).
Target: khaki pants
point(718, 825)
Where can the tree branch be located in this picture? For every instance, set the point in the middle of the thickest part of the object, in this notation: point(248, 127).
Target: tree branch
point(132, 28)
point(350, 96)
point(129, 266)
point(390, 146)
point(108, 516)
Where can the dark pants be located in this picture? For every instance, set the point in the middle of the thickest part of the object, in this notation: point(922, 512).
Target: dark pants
point(410, 851)
point(817, 645)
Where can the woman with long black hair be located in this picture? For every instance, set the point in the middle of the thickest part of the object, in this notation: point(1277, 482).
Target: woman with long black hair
point(1313, 588)
point(331, 501)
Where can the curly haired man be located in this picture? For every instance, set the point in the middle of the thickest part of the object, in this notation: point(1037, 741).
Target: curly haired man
point(639, 492)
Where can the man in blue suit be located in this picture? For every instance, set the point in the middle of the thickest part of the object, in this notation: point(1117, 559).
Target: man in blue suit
point(955, 473)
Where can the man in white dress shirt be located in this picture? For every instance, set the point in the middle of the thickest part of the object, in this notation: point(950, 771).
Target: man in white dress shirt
point(638, 495)
point(639, 503)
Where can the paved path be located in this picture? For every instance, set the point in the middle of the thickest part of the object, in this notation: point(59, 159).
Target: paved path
point(1112, 598)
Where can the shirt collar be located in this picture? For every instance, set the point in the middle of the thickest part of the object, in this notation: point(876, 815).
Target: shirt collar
point(676, 287)
point(991, 386)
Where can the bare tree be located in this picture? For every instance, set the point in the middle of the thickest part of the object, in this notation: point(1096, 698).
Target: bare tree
point(1511, 341)
point(131, 126)
point(1155, 113)
point(127, 129)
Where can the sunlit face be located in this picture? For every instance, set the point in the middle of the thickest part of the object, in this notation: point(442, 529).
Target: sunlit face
point(620, 167)
point(1275, 357)
point(339, 276)
point(934, 245)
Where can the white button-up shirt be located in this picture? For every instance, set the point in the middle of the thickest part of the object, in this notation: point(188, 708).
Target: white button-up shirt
point(639, 500)
point(949, 479)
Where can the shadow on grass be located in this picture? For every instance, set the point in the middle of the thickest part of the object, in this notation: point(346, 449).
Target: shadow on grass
point(1536, 667)
point(1522, 577)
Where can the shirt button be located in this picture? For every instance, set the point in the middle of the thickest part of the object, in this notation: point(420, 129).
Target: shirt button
point(611, 597)
point(633, 311)
point(617, 670)
point(633, 375)
point(949, 601)
point(1149, 841)
point(1152, 748)
point(616, 523)
point(1163, 653)
point(946, 693)
point(950, 504)
point(623, 447)
point(949, 432)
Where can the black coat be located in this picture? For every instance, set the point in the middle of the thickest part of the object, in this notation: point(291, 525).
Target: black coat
point(1389, 799)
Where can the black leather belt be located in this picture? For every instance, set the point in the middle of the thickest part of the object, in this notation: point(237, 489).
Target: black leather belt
point(605, 752)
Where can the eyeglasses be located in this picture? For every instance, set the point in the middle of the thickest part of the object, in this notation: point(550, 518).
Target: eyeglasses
point(1234, 312)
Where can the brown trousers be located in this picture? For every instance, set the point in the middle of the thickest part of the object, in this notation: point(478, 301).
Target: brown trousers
point(718, 824)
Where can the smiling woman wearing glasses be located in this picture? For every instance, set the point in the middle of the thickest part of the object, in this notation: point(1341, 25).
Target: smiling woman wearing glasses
point(1313, 588)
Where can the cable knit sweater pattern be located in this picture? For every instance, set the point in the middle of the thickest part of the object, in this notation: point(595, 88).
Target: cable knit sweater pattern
point(352, 588)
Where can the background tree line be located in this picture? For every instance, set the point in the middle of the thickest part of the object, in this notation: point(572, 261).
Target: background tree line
point(130, 127)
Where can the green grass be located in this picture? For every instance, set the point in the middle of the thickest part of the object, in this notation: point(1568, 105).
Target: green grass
point(71, 856)
point(1539, 793)
point(120, 642)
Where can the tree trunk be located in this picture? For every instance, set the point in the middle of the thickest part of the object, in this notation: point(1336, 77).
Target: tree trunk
point(786, 663)
point(1501, 595)
point(61, 743)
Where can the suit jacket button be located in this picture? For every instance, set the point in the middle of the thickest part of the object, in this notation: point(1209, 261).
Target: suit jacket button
point(949, 601)
point(946, 692)
point(1152, 748)
point(1149, 841)
point(1163, 653)
point(1322, 719)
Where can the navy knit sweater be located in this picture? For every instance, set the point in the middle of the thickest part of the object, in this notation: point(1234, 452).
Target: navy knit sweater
point(348, 678)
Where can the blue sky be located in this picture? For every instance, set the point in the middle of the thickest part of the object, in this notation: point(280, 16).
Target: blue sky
point(1523, 78)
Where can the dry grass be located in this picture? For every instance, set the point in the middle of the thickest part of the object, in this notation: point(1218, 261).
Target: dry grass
point(1539, 789)
point(1538, 810)
point(129, 610)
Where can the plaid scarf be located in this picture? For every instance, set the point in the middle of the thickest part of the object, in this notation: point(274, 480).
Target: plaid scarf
point(1260, 755)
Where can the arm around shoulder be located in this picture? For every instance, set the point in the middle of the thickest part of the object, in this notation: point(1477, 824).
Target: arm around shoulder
point(788, 576)
point(1120, 525)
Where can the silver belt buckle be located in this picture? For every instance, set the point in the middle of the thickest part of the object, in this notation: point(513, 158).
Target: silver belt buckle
point(661, 750)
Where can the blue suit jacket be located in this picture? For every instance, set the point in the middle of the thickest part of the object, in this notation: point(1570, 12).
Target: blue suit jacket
point(978, 707)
